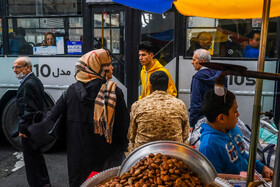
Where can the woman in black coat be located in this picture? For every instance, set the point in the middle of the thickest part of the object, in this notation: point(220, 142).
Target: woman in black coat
point(97, 118)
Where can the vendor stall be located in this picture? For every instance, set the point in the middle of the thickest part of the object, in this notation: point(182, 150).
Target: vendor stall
point(166, 163)
point(227, 10)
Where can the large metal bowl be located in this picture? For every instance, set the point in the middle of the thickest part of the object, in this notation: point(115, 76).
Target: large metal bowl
point(197, 162)
point(101, 177)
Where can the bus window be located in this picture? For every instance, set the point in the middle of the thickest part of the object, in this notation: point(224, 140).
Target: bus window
point(156, 30)
point(108, 33)
point(39, 7)
point(33, 36)
point(227, 37)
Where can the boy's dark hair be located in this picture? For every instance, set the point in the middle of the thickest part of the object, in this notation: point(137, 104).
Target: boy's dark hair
point(146, 46)
point(252, 33)
point(159, 80)
point(214, 105)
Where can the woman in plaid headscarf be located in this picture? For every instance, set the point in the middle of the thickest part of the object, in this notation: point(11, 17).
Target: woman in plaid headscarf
point(97, 118)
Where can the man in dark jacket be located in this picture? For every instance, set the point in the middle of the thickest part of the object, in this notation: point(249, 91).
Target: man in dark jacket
point(30, 99)
point(202, 81)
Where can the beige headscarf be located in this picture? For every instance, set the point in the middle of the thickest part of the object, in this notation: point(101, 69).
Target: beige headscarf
point(89, 67)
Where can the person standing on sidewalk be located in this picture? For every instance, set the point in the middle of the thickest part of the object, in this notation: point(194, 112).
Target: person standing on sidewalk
point(159, 116)
point(96, 118)
point(150, 65)
point(202, 81)
point(30, 99)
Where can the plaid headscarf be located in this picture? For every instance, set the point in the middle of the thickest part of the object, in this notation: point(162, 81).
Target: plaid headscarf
point(90, 67)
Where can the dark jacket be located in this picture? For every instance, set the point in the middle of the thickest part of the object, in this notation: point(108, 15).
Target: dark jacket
point(19, 45)
point(30, 99)
point(87, 151)
point(194, 46)
point(202, 81)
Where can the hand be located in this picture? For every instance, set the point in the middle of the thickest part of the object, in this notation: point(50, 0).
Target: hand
point(191, 129)
point(267, 172)
point(22, 135)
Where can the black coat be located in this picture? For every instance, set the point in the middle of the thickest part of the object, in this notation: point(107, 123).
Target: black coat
point(30, 99)
point(87, 151)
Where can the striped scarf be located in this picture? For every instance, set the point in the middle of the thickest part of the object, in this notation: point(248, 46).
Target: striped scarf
point(104, 110)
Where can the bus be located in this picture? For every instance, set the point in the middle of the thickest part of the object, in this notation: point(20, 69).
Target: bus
point(83, 25)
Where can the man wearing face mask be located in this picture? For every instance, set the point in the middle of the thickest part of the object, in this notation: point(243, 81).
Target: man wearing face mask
point(30, 99)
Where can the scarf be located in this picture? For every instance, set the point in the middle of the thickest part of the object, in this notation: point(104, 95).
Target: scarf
point(90, 65)
point(104, 110)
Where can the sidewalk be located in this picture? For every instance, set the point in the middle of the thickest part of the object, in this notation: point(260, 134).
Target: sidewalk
point(57, 168)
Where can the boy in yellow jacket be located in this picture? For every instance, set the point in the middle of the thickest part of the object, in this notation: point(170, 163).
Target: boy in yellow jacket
point(150, 65)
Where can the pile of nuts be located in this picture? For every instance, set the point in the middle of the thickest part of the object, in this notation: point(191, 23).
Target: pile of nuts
point(156, 170)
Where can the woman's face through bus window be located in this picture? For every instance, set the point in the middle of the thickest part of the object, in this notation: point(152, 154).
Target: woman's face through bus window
point(50, 40)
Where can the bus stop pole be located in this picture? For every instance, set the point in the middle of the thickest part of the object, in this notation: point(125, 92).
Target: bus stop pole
point(258, 93)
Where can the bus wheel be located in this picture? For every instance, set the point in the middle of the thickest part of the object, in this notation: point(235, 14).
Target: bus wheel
point(9, 123)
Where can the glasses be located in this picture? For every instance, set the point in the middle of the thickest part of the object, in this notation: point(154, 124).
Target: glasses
point(17, 67)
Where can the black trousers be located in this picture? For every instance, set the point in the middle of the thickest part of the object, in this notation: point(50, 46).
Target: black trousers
point(35, 165)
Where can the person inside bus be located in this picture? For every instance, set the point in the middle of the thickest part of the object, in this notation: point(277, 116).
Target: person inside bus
point(150, 65)
point(97, 118)
point(252, 50)
point(49, 39)
point(18, 45)
point(12, 35)
point(221, 140)
point(202, 41)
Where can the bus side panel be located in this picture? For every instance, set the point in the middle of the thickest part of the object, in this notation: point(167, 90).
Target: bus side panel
point(56, 73)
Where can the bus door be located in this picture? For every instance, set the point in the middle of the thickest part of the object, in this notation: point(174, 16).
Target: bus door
point(108, 33)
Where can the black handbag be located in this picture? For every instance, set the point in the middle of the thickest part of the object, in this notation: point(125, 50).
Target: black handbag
point(44, 131)
point(39, 132)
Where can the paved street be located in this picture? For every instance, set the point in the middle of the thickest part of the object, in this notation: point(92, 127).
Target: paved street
point(12, 170)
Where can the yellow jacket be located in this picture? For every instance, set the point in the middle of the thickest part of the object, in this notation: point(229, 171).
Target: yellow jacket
point(145, 80)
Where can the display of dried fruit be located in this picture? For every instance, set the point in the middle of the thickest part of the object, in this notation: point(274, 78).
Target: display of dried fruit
point(156, 170)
